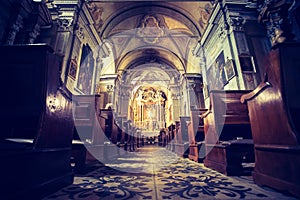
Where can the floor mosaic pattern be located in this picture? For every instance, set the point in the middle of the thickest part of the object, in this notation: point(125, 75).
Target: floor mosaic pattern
point(156, 173)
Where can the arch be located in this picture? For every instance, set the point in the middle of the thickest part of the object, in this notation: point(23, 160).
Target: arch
point(162, 8)
point(149, 55)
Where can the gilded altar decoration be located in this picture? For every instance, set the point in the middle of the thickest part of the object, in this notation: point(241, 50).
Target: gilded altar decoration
point(151, 28)
point(149, 109)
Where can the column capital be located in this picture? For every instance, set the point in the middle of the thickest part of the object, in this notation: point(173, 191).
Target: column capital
point(236, 23)
point(274, 14)
point(64, 23)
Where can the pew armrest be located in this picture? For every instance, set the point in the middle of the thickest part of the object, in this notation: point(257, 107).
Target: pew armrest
point(15, 144)
point(260, 88)
point(204, 115)
point(238, 142)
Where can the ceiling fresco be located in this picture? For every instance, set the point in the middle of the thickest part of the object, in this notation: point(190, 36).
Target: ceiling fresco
point(151, 41)
point(115, 16)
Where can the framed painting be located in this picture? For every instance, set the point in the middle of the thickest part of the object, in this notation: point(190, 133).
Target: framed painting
point(215, 74)
point(247, 63)
point(73, 68)
point(219, 65)
point(229, 69)
point(86, 69)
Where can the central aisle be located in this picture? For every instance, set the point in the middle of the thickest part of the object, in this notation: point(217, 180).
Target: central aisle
point(156, 173)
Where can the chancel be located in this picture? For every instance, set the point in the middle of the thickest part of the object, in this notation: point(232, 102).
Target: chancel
point(113, 99)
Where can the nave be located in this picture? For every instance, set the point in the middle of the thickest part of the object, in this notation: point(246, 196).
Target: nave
point(154, 172)
point(214, 81)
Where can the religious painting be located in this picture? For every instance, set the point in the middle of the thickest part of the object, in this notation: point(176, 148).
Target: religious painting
point(216, 78)
point(229, 69)
point(247, 63)
point(151, 28)
point(86, 69)
point(73, 68)
point(204, 14)
point(96, 13)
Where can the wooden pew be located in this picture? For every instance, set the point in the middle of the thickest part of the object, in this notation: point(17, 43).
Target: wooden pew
point(196, 135)
point(111, 131)
point(228, 138)
point(36, 123)
point(126, 135)
point(123, 134)
point(274, 111)
point(87, 132)
point(171, 135)
point(182, 140)
point(100, 136)
point(176, 136)
point(133, 138)
point(120, 135)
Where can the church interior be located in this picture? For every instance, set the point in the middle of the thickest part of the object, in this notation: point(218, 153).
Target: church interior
point(114, 99)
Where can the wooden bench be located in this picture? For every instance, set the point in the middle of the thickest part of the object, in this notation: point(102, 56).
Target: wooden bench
point(114, 139)
point(87, 132)
point(196, 135)
point(181, 146)
point(274, 111)
point(171, 137)
point(226, 126)
point(36, 123)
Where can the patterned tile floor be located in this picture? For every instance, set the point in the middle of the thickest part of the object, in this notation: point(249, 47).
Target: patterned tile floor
point(156, 173)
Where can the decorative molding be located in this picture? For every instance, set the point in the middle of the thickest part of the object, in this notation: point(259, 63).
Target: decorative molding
point(104, 50)
point(175, 96)
point(222, 32)
point(236, 23)
point(151, 28)
point(64, 24)
point(274, 14)
point(80, 33)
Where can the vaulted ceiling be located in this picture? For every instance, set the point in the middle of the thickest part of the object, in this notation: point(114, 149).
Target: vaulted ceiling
point(113, 17)
point(150, 33)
